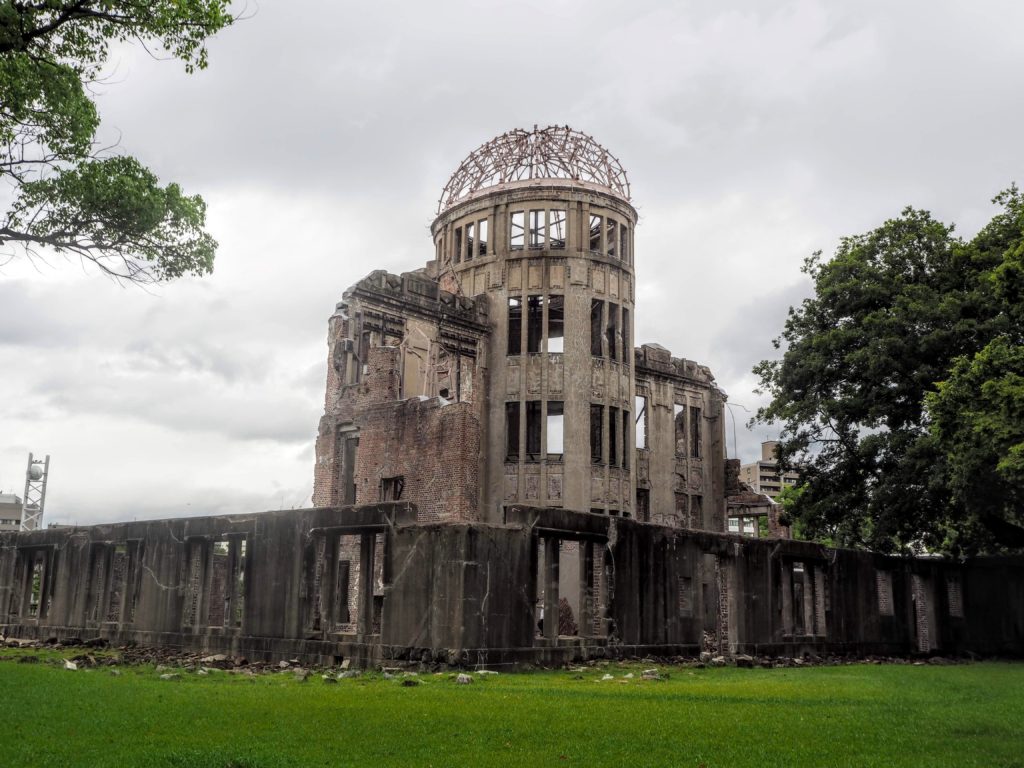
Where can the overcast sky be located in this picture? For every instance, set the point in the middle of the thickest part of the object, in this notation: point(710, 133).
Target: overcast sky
point(322, 133)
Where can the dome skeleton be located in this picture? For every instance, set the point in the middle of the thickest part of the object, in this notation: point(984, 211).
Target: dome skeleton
point(555, 152)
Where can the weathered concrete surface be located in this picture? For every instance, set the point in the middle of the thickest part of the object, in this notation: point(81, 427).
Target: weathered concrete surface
point(471, 593)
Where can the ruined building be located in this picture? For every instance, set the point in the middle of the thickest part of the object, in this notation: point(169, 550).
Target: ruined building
point(504, 372)
point(502, 475)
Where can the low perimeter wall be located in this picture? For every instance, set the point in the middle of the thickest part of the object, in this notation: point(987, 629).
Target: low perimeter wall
point(549, 586)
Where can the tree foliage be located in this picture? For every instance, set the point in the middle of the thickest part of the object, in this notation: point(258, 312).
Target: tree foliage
point(882, 445)
point(69, 197)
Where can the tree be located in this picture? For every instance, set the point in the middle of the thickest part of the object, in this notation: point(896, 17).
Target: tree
point(68, 196)
point(892, 314)
point(977, 413)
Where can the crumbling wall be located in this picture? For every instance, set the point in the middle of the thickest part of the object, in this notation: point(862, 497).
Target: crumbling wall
point(370, 583)
point(682, 470)
point(434, 342)
point(431, 447)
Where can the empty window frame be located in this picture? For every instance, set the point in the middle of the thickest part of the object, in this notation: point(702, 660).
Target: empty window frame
point(556, 229)
point(555, 429)
point(640, 430)
point(512, 431)
point(534, 323)
point(220, 592)
point(679, 420)
point(596, 327)
point(613, 436)
point(597, 434)
point(626, 349)
point(612, 238)
point(481, 237)
point(697, 511)
point(556, 324)
point(533, 433)
point(391, 488)
point(612, 331)
point(595, 234)
point(695, 436)
point(517, 231)
point(36, 571)
point(626, 424)
point(470, 240)
point(458, 245)
point(538, 229)
point(515, 325)
point(624, 243)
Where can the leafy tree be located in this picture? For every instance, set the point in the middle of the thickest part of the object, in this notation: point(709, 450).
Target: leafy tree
point(69, 197)
point(893, 312)
point(977, 413)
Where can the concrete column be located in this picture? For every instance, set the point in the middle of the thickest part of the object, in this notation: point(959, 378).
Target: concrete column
point(586, 617)
point(366, 555)
point(551, 588)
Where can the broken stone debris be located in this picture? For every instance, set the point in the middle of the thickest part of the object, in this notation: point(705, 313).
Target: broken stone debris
point(463, 679)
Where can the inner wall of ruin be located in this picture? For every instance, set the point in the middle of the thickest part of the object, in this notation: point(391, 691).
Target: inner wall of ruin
point(371, 584)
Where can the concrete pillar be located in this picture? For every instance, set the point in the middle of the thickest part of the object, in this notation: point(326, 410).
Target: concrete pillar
point(551, 588)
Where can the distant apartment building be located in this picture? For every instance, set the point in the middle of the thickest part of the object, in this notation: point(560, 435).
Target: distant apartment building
point(764, 476)
point(10, 512)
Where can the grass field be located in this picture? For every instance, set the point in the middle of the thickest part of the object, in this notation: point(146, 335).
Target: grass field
point(861, 715)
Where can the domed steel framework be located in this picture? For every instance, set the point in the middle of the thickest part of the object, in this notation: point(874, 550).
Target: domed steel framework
point(555, 152)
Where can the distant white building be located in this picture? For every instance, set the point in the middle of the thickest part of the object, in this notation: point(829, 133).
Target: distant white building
point(10, 512)
point(764, 476)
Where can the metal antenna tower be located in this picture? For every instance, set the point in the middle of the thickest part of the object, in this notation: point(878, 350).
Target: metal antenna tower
point(35, 493)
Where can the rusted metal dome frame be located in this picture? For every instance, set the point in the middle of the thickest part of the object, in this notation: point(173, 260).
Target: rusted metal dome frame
point(555, 152)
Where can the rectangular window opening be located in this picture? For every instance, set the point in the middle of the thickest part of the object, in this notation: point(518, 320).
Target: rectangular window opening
point(626, 424)
point(538, 235)
point(627, 351)
point(470, 240)
point(556, 324)
point(458, 245)
point(512, 431)
point(695, 437)
point(220, 576)
point(613, 238)
point(517, 231)
point(613, 436)
point(679, 419)
point(556, 229)
point(534, 323)
point(515, 326)
point(640, 432)
point(239, 580)
point(481, 241)
point(596, 327)
point(555, 430)
point(624, 243)
point(595, 234)
point(391, 488)
point(596, 434)
point(533, 430)
point(36, 589)
point(612, 331)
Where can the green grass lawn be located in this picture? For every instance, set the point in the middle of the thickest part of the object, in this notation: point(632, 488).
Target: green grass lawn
point(860, 715)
